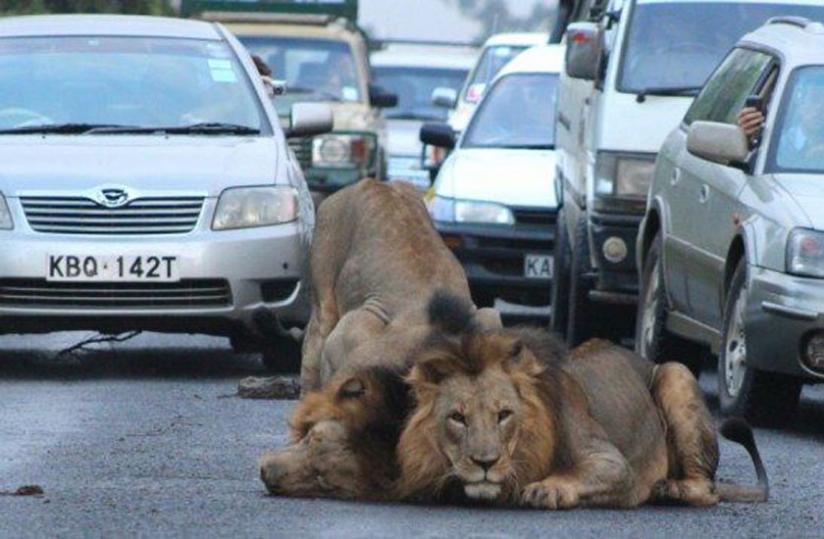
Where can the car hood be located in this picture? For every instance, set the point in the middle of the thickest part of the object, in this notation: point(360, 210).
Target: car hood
point(404, 137)
point(511, 177)
point(807, 191)
point(203, 164)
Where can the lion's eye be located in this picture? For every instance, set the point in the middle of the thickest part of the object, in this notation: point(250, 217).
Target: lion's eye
point(457, 417)
point(503, 415)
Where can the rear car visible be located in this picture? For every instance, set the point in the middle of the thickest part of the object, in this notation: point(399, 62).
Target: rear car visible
point(413, 72)
point(146, 183)
point(496, 52)
point(732, 244)
point(493, 200)
point(319, 52)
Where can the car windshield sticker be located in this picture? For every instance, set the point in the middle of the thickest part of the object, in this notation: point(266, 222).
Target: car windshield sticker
point(222, 71)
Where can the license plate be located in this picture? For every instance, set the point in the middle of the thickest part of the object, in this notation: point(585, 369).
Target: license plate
point(538, 266)
point(124, 269)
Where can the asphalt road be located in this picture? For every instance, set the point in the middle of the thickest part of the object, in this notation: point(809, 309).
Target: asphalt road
point(142, 439)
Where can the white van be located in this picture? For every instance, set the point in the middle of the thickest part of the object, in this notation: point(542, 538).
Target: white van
point(630, 75)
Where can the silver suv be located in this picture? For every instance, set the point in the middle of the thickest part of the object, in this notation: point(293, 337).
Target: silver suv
point(146, 183)
point(732, 245)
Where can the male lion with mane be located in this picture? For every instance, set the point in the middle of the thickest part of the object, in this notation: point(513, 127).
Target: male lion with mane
point(376, 261)
point(507, 417)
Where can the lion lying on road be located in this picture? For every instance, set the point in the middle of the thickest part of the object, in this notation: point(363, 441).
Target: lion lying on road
point(502, 417)
point(376, 261)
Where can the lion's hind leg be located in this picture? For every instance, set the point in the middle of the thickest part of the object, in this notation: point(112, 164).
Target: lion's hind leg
point(691, 438)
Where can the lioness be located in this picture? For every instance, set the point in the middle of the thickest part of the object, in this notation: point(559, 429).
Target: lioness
point(505, 417)
point(375, 263)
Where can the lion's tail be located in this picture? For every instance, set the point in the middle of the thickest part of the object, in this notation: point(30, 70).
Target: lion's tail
point(739, 431)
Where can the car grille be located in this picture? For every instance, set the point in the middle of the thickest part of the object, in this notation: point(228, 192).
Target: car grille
point(188, 293)
point(534, 216)
point(77, 215)
point(303, 151)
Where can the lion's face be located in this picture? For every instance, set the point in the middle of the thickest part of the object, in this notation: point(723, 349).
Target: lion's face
point(478, 422)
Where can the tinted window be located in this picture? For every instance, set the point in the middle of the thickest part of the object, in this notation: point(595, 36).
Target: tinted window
point(798, 143)
point(414, 87)
point(518, 112)
point(134, 81)
point(724, 95)
point(678, 44)
point(314, 69)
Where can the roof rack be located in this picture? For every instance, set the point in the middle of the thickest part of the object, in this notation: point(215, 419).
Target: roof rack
point(799, 22)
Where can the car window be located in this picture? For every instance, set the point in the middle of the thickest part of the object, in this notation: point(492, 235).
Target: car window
point(518, 112)
point(132, 81)
point(677, 44)
point(490, 63)
point(798, 142)
point(727, 89)
point(314, 69)
point(414, 87)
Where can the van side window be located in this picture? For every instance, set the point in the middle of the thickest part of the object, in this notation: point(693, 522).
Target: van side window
point(727, 89)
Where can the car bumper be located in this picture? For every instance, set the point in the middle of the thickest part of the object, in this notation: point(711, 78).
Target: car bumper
point(226, 278)
point(494, 258)
point(783, 312)
point(616, 279)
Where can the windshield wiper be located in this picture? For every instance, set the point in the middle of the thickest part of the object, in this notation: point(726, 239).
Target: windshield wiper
point(413, 116)
point(58, 129)
point(205, 128)
point(672, 90)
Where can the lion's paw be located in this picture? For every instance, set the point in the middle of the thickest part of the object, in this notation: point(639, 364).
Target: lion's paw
point(550, 494)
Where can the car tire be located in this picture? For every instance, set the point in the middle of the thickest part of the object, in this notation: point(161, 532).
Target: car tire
point(764, 398)
point(580, 323)
point(562, 260)
point(282, 355)
point(652, 339)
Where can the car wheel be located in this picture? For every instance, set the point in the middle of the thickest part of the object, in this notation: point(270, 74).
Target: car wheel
point(652, 340)
point(580, 325)
point(764, 398)
point(282, 355)
point(562, 256)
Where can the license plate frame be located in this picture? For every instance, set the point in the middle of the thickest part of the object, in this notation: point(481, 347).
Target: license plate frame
point(538, 266)
point(142, 268)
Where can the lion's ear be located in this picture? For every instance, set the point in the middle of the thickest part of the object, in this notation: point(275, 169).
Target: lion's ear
point(429, 372)
point(353, 388)
point(524, 361)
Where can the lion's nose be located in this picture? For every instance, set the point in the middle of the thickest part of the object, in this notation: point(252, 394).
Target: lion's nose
point(486, 462)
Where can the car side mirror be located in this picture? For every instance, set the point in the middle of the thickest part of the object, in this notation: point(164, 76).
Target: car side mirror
point(721, 143)
point(309, 119)
point(446, 98)
point(381, 99)
point(583, 50)
point(438, 134)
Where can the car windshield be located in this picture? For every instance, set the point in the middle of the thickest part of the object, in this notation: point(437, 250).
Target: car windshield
point(139, 82)
point(798, 144)
point(314, 69)
point(490, 62)
point(414, 87)
point(518, 112)
point(674, 45)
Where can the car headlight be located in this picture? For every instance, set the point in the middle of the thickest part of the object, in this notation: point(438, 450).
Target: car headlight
point(5, 215)
point(246, 207)
point(468, 211)
point(344, 150)
point(623, 176)
point(805, 253)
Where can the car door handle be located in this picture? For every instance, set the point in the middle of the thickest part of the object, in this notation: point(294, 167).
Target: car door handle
point(705, 194)
point(676, 176)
